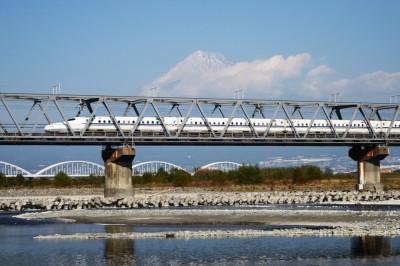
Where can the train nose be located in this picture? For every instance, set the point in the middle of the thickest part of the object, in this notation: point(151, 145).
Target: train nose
point(49, 128)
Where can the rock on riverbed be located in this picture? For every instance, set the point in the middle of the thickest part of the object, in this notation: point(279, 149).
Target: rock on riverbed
point(159, 200)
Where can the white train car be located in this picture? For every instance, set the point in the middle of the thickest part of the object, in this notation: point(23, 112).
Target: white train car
point(236, 125)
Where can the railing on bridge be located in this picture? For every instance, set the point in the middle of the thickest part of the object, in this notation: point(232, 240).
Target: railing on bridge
point(24, 116)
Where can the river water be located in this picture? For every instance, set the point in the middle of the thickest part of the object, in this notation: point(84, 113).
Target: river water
point(18, 247)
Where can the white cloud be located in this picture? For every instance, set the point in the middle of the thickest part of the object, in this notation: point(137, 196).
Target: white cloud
point(294, 77)
point(375, 86)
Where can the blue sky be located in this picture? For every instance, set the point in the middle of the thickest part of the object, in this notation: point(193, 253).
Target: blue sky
point(117, 47)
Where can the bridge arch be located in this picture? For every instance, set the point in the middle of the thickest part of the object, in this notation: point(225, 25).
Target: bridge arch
point(152, 167)
point(72, 168)
point(11, 170)
point(223, 166)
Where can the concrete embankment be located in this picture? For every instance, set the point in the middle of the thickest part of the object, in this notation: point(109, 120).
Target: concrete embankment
point(159, 200)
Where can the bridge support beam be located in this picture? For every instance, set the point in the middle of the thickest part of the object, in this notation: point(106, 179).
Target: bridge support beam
point(369, 166)
point(118, 171)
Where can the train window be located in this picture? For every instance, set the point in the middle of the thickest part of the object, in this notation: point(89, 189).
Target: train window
point(87, 120)
point(104, 121)
point(240, 122)
point(133, 122)
point(119, 122)
point(201, 123)
point(223, 123)
point(195, 122)
point(109, 121)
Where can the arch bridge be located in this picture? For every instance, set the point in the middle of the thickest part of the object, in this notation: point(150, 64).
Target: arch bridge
point(11, 170)
point(153, 167)
point(84, 168)
point(222, 166)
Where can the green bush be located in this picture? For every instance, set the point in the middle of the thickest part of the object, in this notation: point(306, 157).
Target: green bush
point(41, 182)
point(216, 177)
point(91, 180)
point(161, 176)
point(247, 174)
point(179, 177)
point(328, 172)
point(61, 179)
point(16, 181)
point(306, 173)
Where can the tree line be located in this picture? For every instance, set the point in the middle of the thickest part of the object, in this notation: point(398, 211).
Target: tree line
point(244, 175)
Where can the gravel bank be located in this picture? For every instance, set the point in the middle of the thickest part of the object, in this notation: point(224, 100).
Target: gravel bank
point(328, 223)
point(167, 199)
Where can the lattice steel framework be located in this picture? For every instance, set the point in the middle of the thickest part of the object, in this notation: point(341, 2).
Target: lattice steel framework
point(222, 166)
point(24, 116)
point(153, 167)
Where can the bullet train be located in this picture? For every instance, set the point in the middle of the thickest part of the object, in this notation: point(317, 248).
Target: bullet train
point(236, 125)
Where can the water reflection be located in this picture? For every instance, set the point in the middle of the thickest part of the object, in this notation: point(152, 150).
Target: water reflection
point(119, 251)
point(367, 246)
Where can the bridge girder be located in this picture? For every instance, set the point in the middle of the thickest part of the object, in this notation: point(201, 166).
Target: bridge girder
point(23, 117)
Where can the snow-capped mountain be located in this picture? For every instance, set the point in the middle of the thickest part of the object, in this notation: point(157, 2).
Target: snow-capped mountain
point(197, 63)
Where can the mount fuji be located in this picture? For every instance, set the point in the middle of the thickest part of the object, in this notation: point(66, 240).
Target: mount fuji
point(197, 67)
point(209, 74)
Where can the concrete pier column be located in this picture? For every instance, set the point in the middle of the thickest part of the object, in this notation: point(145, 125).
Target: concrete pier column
point(118, 171)
point(369, 166)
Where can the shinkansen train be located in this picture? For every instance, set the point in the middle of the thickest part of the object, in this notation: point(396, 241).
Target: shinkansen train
point(236, 125)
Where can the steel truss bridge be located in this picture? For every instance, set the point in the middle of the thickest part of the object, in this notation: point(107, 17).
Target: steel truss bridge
point(84, 168)
point(24, 116)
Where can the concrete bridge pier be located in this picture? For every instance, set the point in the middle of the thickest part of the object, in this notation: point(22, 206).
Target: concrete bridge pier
point(118, 171)
point(369, 166)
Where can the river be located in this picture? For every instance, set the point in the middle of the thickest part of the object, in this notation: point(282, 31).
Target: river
point(18, 247)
